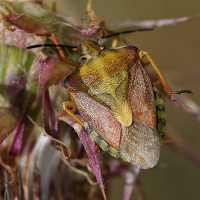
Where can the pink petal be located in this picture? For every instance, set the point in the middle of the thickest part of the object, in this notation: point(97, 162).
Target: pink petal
point(89, 146)
point(17, 141)
point(131, 178)
point(50, 122)
point(51, 70)
point(25, 23)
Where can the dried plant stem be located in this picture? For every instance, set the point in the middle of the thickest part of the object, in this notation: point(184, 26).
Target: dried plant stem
point(79, 171)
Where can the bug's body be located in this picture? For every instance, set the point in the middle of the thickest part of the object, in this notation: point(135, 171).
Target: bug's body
point(123, 113)
point(115, 97)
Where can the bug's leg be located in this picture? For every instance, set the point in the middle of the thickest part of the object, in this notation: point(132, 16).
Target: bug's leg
point(71, 104)
point(90, 12)
point(68, 61)
point(6, 8)
point(5, 11)
point(164, 83)
point(100, 32)
point(54, 6)
point(74, 108)
point(96, 147)
point(55, 40)
point(115, 41)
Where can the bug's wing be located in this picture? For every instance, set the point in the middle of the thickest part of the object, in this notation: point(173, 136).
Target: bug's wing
point(99, 118)
point(141, 96)
point(140, 141)
point(140, 145)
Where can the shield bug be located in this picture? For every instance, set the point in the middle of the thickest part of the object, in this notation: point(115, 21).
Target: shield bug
point(123, 113)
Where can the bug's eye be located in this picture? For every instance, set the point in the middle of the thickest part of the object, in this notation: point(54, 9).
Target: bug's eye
point(83, 58)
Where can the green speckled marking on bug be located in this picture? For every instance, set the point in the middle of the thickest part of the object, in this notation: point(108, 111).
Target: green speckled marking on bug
point(160, 108)
point(161, 117)
point(102, 143)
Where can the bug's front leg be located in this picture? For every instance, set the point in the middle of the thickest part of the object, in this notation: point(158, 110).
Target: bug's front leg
point(71, 104)
point(168, 90)
point(55, 40)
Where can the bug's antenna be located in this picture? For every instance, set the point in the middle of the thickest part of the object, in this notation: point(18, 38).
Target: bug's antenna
point(129, 31)
point(50, 45)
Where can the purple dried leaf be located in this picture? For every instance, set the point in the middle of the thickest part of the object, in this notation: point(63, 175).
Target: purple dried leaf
point(51, 71)
point(152, 23)
point(25, 23)
point(84, 26)
point(73, 31)
point(27, 29)
point(50, 122)
point(131, 178)
point(8, 121)
point(17, 141)
point(90, 149)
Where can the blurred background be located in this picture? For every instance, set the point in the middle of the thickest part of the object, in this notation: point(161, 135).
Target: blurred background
point(176, 51)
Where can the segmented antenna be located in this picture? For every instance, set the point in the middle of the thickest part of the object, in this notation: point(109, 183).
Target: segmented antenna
point(124, 32)
point(50, 45)
point(73, 47)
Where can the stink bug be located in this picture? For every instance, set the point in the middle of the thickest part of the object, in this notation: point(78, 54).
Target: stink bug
point(123, 113)
point(116, 99)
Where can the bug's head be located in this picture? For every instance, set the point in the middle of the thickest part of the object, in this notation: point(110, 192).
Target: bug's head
point(89, 48)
